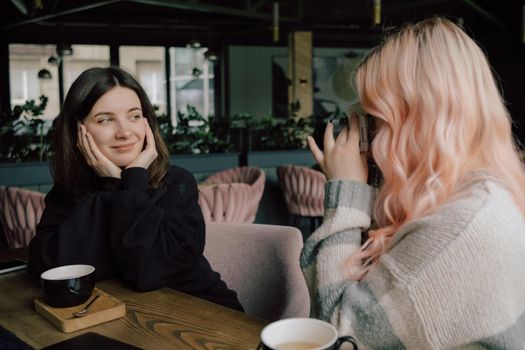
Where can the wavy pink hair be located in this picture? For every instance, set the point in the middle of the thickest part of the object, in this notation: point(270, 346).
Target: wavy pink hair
point(442, 118)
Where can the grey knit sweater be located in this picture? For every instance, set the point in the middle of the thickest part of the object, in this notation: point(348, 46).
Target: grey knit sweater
point(454, 279)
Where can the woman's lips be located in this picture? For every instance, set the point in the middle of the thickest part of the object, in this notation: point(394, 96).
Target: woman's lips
point(123, 148)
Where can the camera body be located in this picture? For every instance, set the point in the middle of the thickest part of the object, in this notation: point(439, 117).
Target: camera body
point(366, 128)
point(365, 125)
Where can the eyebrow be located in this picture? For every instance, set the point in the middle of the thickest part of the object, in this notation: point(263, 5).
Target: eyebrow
point(111, 113)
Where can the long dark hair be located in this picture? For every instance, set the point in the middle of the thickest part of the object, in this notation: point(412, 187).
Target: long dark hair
point(73, 176)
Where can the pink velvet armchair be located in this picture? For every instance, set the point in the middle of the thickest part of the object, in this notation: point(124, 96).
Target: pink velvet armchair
point(232, 195)
point(20, 212)
point(261, 263)
point(303, 190)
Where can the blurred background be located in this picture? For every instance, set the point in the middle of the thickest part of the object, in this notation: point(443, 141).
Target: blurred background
point(231, 57)
point(234, 82)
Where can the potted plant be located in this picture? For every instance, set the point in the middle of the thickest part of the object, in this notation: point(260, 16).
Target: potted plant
point(22, 133)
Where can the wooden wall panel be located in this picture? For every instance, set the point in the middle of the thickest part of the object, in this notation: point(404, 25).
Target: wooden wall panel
point(300, 72)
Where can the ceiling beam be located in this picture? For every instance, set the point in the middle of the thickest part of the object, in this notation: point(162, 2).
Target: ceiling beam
point(21, 6)
point(412, 5)
point(258, 4)
point(201, 7)
point(60, 13)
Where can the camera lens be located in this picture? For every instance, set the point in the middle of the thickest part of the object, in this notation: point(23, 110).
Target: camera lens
point(339, 125)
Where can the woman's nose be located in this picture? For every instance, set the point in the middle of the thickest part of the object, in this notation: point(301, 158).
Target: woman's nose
point(123, 130)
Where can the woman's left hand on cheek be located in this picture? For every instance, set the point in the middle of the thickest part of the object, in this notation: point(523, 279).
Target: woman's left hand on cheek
point(148, 154)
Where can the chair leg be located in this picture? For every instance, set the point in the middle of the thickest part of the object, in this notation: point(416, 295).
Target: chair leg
point(318, 221)
point(313, 222)
point(295, 220)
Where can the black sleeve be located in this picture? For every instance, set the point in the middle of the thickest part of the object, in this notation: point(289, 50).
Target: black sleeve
point(157, 235)
point(150, 236)
point(72, 233)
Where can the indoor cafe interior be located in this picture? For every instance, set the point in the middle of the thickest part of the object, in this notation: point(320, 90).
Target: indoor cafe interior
point(169, 177)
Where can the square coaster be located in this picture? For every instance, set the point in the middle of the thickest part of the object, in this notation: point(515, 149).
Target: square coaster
point(105, 308)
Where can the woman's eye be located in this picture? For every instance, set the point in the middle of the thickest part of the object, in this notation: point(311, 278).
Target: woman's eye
point(103, 120)
point(136, 116)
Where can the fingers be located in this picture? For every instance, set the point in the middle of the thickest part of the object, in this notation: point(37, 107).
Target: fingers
point(94, 156)
point(149, 153)
point(353, 132)
point(328, 139)
point(89, 148)
point(97, 155)
point(316, 152)
point(79, 137)
point(84, 145)
point(364, 159)
point(343, 136)
point(150, 139)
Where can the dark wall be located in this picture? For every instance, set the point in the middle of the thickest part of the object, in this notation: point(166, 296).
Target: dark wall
point(511, 70)
point(506, 54)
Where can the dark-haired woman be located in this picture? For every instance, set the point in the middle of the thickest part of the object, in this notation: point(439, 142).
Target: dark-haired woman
point(116, 203)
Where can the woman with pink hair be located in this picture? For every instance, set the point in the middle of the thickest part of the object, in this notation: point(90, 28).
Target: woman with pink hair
point(443, 265)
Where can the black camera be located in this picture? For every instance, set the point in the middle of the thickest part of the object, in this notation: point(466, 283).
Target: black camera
point(366, 133)
point(365, 125)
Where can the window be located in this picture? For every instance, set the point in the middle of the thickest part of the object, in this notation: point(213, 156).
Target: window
point(191, 81)
point(151, 75)
point(25, 61)
point(25, 82)
point(147, 65)
point(83, 57)
point(332, 89)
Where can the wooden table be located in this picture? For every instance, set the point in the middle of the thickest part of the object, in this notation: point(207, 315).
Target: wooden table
point(162, 319)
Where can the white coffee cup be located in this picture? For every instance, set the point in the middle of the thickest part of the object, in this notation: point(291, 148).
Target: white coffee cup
point(302, 334)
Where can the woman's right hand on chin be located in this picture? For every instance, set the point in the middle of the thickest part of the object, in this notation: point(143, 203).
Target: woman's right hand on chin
point(341, 159)
point(149, 153)
point(94, 158)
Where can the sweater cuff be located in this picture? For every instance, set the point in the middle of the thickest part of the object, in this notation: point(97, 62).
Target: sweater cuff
point(352, 194)
point(109, 184)
point(134, 178)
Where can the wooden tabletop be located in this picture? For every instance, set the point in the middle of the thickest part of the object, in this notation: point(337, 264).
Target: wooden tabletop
point(161, 319)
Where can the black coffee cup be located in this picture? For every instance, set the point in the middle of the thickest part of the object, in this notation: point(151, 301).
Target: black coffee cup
point(69, 285)
point(302, 334)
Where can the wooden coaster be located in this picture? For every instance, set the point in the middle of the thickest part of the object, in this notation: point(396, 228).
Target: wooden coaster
point(105, 308)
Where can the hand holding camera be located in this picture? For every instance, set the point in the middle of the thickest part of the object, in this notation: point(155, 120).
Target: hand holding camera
point(342, 158)
point(365, 125)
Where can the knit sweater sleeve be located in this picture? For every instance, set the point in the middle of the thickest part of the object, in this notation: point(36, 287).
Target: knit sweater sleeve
point(347, 215)
point(453, 279)
point(351, 306)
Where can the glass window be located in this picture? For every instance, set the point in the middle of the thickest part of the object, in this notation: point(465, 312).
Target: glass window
point(151, 76)
point(82, 58)
point(332, 91)
point(147, 65)
point(25, 62)
point(191, 81)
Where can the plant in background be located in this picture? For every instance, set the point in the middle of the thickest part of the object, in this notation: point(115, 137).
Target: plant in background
point(272, 133)
point(23, 137)
point(22, 133)
point(195, 134)
point(288, 132)
point(319, 123)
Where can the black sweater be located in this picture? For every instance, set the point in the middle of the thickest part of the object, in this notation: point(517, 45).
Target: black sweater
point(151, 237)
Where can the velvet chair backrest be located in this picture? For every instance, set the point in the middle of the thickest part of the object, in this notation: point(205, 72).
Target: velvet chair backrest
point(261, 263)
point(20, 212)
point(303, 189)
point(226, 202)
point(232, 195)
